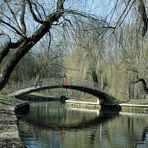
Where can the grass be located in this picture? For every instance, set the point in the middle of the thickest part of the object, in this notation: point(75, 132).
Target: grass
point(87, 99)
point(138, 101)
point(6, 100)
point(42, 95)
point(93, 99)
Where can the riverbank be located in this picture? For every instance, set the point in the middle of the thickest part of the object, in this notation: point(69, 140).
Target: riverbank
point(135, 105)
point(9, 135)
point(132, 105)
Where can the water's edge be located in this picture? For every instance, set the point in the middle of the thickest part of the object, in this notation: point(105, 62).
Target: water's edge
point(9, 136)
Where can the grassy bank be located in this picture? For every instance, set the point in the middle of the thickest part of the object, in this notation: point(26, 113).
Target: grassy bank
point(10, 101)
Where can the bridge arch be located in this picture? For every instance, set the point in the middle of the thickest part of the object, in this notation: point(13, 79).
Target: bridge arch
point(106, 101)
point(100, 95)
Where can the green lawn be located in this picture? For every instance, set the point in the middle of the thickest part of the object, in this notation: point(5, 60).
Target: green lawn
point(42, 94)
point(138, 101)
point(5, 100)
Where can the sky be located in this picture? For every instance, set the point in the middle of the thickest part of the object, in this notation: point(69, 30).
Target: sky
point(102, 9)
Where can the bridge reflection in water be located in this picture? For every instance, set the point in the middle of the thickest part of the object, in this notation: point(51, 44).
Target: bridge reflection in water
point(60, 117)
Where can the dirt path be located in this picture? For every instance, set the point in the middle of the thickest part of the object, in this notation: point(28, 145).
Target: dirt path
point(9, 136)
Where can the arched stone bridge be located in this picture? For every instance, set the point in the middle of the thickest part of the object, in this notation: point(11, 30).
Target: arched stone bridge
point(106, 101)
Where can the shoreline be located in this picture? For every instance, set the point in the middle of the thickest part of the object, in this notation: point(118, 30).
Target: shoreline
point(126, 106)
point(9, 133)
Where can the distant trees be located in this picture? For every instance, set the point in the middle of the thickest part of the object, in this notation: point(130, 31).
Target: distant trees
point(42, 62)
point(111, 62)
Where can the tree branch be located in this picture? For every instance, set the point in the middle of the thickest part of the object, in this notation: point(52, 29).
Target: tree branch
point(13, 14)
point(22, 16)
point(18, 32)
point(42, 8)
point(4, 50)
point(142, 12)
point(144, 83)
point(33, 14)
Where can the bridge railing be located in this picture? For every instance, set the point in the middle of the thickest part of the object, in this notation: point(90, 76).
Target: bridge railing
point(84, 83)
point(12, 87)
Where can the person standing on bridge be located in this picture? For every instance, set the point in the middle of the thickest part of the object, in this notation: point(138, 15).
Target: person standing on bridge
point(37, 80)
point(64, 79)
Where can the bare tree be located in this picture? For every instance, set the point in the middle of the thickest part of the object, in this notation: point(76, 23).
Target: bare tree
point(23, 43)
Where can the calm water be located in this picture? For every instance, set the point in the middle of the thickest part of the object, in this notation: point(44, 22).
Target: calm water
point(52, 125)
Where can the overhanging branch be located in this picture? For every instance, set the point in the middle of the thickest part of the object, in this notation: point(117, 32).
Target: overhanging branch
point(22, 16)
point(144, 83)
point(13, 28)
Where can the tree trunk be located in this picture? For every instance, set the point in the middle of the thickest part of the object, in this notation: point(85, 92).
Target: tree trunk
point(131, 90)
point(94, 76)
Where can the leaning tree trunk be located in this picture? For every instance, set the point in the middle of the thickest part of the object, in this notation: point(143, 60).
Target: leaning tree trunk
point(10, 64)
point(25, 44)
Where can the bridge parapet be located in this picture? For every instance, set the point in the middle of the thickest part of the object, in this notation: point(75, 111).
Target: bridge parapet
point(12, 87)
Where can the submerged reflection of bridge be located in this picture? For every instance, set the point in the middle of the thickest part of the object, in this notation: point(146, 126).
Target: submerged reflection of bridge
point(66, 118)
point(106, 101)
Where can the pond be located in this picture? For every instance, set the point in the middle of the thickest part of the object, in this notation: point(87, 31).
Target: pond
point(53, 125)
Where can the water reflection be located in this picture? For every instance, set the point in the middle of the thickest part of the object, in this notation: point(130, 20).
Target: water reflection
point(51, 125)
point(55, 115)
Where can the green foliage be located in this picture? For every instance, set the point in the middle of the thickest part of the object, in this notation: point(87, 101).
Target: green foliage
point(26, 69)
point(116, 61)
point(39, 62)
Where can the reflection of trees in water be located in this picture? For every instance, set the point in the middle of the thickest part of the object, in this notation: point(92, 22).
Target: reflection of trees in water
point(132, 129)
point(145, 134)
point(143, 142)
point(68, 119)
